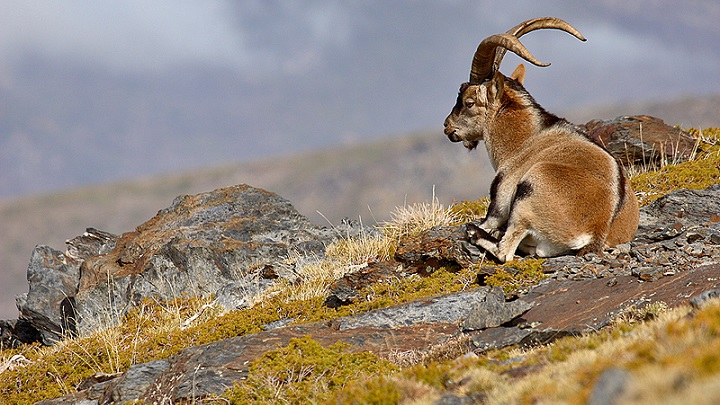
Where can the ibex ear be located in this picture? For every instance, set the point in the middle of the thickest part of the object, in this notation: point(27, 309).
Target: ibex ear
point(519, 73)
point(495, 88)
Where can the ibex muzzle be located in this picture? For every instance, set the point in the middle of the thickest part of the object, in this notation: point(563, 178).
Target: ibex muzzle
point(555, 191)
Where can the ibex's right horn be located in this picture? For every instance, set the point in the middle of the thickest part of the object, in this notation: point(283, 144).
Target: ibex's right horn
point(491, 51)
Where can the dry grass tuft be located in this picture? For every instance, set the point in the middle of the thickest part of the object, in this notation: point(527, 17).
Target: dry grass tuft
point(416, 218)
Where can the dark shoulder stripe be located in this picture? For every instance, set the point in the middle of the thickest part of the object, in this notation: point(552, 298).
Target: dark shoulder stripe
point(621, 188)
point(493, 194)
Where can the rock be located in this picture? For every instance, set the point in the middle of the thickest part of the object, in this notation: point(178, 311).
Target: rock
point(699, 300)
point(481, 308)
point(494, 312)
point(641, 139)
point(687, 207)
point(49, 304)
point(344, 291)
point(17, 332)
point(609, 386)
point(91, 243)
point(648, 273)
point(437, 247)
point(133, 383)
point(232, 243)
point(495, 338)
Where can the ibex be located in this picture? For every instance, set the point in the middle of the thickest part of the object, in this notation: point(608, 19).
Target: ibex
point(555, 191)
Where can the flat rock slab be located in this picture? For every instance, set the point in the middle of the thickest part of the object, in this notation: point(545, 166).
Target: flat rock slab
point(562, 304)
point(573, 307)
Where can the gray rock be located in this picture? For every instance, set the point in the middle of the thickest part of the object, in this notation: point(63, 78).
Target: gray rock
point(494, 311)
point(137, 380)
point(495, 338)
point(688, 207)
point(482, 306)
point(641, 139)
point(91, 243)
point(232, 243)
point(609, 386)
point(49, 304)
point(699, 300)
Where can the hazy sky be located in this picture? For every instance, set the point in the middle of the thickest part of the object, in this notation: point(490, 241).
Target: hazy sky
point(263, 38)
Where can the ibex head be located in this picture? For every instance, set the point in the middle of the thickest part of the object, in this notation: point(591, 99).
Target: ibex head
point(480, 99)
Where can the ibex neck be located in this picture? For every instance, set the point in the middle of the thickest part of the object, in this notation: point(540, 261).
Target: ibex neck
point(506, 138)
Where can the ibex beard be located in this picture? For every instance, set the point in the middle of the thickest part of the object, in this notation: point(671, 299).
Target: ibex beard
point(555, 190)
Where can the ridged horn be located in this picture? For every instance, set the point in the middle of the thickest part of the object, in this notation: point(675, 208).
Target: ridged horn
point(491, 50)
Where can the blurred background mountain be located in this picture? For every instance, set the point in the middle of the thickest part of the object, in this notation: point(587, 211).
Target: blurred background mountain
point(109, 109)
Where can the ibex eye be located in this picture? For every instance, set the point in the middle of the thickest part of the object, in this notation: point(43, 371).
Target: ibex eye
point(469, 103)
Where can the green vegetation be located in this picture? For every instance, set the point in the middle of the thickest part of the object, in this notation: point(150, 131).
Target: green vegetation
point(305, 371)
point(671, 354)
point(517, 275)
point(696, 174)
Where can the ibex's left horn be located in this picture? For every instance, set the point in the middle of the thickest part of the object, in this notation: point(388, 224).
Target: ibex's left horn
point(532, 25)
point(490, 52)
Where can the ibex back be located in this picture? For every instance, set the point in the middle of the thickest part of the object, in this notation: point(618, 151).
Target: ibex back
point(555, 191)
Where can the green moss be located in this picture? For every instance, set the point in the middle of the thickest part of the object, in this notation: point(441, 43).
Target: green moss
point(374, 390)
point(305, 371)
point(516, 275)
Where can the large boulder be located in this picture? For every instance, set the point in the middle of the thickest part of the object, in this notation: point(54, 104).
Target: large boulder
point(641, 139)
point(227, 243)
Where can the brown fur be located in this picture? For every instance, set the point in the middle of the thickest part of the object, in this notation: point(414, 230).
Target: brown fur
point(571, 199)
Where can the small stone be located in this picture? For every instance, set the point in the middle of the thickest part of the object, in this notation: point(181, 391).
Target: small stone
point(648, 273)
point(609, 386)
point(699, 300)
point(623, 248)
point(715, 238)
point(694, 250)
point(693, 237)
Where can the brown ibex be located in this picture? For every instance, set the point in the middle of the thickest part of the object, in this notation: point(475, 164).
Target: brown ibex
point(555, 191)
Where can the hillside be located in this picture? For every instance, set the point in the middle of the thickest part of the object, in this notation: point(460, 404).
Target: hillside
point(416, 316)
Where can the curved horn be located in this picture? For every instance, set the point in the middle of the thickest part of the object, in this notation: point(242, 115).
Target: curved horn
point(483, 69)
point(532, 25)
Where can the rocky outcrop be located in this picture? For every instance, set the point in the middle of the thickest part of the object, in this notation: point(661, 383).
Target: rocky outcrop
point(228, 243)
point(642, 140)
